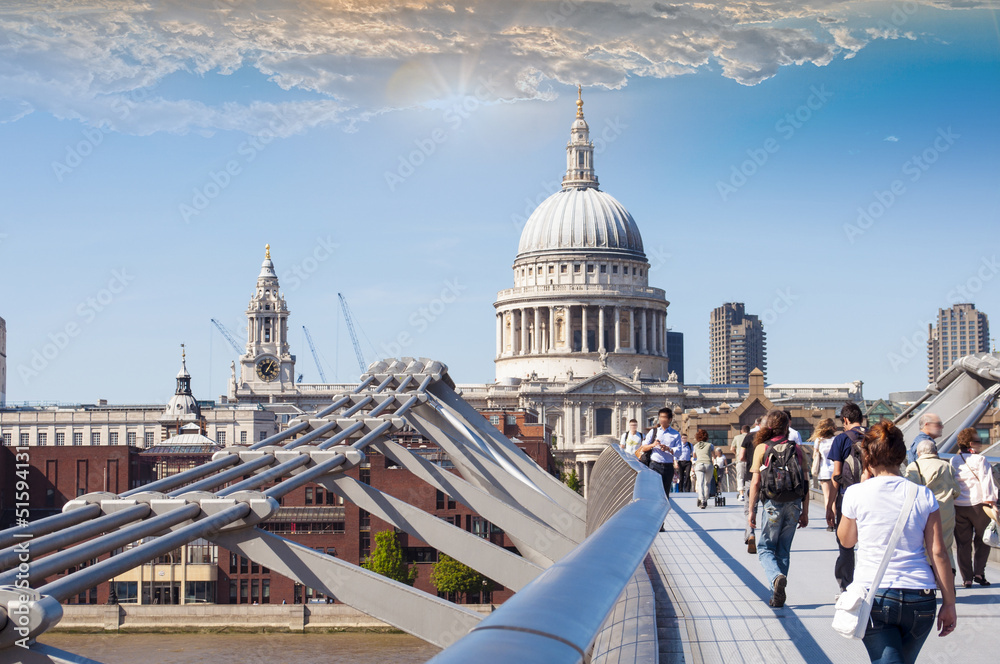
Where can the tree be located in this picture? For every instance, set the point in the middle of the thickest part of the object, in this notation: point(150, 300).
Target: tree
point(572, 480)
point(387, 559)
point(451, 576)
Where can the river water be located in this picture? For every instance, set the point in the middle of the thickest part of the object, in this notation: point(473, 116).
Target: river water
point(346, 648)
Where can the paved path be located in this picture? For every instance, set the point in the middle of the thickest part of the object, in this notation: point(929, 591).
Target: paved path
point(712, 598)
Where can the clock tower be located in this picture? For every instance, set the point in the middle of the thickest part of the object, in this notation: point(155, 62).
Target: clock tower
point(267, 366)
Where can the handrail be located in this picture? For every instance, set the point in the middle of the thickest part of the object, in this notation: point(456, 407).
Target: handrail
point(555, 618)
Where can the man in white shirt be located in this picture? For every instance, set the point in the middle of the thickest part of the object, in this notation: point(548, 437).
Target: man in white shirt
point(793, 434)
point(631, 439)
point(662, 441)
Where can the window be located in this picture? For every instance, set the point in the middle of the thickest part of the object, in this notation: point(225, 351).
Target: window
point(243, 437)
point(602, 421)
point(7, 439)
point(60, 438)
point(254, 567)
point(113, 438)
point(78, 438)
point(220, 438)
point(265, 591)
point(562, 269)
point(95, 438)
point(552, 269)
point(255, 590)
point(233, 562)
point(590, 267)
point(309, 496)
point(243, 591)
point(243, 565)
point(233, 597)
point(43, 439)
point(604, 269)
point(319, 496)
point(149, 439)
point(576, 267)
point(200, 592)
point(261, 435)
point(512, 419)
point(130, 438)
point(81, 476)
point(127, 591)
point(23, 438)
point(495, 420)
point(625, 269)
point(365, 475)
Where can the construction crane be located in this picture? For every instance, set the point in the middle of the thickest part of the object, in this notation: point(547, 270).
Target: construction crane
point(354, 335)
point(229, 337)
point(312, 347)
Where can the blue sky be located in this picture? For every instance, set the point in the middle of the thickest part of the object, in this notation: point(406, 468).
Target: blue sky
point(478, 101)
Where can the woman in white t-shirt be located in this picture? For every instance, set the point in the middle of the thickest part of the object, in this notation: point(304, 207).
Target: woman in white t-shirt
point(631, 439)
point(903, 610)
point(973, 508)
point(822, 467)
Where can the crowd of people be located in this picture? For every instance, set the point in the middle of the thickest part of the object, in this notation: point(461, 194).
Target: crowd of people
point(863, 475)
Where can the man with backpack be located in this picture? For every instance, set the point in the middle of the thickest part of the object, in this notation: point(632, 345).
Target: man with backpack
point(781, 480)
point(845, 453)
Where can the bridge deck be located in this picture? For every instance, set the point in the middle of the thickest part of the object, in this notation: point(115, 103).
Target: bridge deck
point(712, 597)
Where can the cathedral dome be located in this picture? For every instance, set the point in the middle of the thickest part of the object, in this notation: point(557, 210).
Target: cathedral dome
point(580, 218)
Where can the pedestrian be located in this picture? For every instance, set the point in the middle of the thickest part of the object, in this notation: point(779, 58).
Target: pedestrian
point(702, 455)
point(781, 479)
point(973, 508)
point(722, 469)
point(662, 442)
point(845, 455)
point(903, 609)
point(741, 461)
point(748, 446)
point(683, 459)
point(931, 427)
point(793, 435)
point(631, 439)
point(938, 475)
point(822, 469)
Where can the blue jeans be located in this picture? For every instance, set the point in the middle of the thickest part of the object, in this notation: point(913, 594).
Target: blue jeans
point(900, 623)
point(777, 528)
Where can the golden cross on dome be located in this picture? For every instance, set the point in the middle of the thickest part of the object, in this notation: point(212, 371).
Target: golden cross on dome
point(267, 251)
point(579, 101)
point(183, 353)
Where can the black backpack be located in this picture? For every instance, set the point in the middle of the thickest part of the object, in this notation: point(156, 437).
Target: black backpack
point(782, 478)
point(851, 469)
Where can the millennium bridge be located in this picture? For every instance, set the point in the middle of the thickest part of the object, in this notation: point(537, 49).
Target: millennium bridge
point(596, 579)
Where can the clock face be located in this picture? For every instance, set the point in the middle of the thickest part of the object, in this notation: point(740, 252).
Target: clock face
point(267, 369)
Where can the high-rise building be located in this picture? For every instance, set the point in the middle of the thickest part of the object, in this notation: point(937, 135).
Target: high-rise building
point(961, 330)
point(675, 354)
point(737, 345)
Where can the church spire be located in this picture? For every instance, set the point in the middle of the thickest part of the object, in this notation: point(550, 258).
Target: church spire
point(579, 152)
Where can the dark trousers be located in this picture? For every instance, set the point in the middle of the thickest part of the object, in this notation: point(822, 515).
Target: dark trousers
point(970, 524)
point(684, 469)
point(666, 471)
point(843, 569)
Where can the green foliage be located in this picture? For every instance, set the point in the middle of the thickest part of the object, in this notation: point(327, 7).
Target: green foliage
point(571, 480)
point(451, 576)
point(387, 559)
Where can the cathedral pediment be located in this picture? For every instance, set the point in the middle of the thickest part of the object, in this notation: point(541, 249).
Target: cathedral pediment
point(604, 383)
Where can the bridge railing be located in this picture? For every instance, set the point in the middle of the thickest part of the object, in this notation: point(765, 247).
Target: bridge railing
point(556, 618)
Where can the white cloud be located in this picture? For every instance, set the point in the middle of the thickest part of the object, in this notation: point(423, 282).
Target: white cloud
point(891, 139)
point(103, 61)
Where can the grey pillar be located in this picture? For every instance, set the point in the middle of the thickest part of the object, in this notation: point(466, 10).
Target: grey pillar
point(618, 329)
point(583, 333)
point(600, 328)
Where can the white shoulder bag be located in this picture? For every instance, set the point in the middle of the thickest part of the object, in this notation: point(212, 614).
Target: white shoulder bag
point(854, 606)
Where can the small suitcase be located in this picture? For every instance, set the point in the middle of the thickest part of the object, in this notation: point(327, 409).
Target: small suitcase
point(720, 500)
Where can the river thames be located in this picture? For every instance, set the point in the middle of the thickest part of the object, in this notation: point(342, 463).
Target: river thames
point(353, 648)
